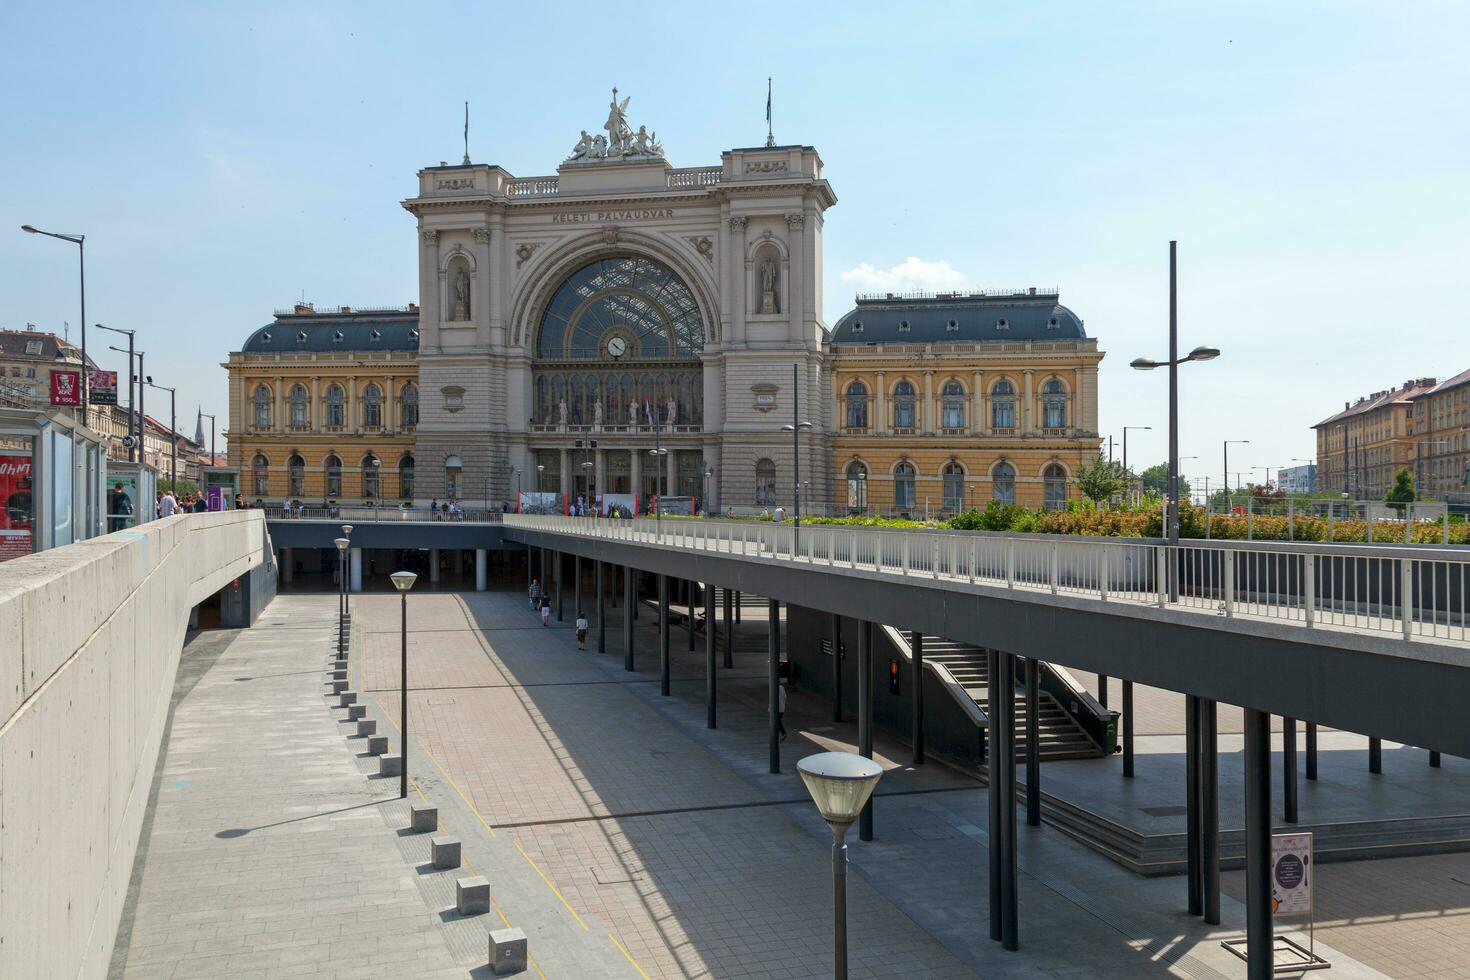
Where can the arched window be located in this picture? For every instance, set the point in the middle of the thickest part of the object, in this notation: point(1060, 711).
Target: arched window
point(857, 487)
point(298, 406)
point(903, 486)
point(452, 471)
point(953, 395)
point(372, 407)
point(410, 409)
point(1054, 480)
point(765, 483)
point(903, 405)
point(262, 407)
point(260, 474)
point(405, 478)
point(1003, 483)
point(332, 466)
point(336, 411)
point(295, 476)
point(954, 487)
point(372, 477)
point(1002, 405)
point(1054, 405)
point(857, 405)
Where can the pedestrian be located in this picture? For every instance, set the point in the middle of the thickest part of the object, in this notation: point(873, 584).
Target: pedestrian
point(168, 504)
point(535, 593)
point(781, 710)
point(433, 508)
point(545, 611)
point(119, 508)
point(239, 501)
point(780, 514)
point(581, 630)
point(201, 505)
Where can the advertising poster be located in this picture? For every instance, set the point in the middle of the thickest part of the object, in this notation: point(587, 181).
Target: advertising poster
point(218, 499)
point(19, 514)
point(674, 505)
point(66, 387)
point(1291, 874)
point(621, 505)
point(104, 387)
point(540, 502)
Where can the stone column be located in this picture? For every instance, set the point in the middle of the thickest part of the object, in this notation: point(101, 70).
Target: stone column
point(977, 404)
point(349, 406)
point(599, 471)
point(635, 473)
point(795, 275)
point(429, 288)
point(288, 566)
point(880, 414)
point(671, 474)
point(926, 423)
point(1026, 409)
point(390, 409)
point(740, 269)
point(316, 416)
point(356, 569)
point(433, 566)
point(562, 471)
point(480, 576)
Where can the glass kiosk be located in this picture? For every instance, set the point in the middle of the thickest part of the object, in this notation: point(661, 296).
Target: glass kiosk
point(52, 470)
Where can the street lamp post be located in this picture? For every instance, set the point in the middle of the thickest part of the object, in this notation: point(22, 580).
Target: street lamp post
point(129, 334)
point(709, 472)
point(795, 427)
point(173, 431)
point(403, 581)
point(135, 400)
point(341, 544)
point(840, 784)
point(347, 591)
point(80, 242)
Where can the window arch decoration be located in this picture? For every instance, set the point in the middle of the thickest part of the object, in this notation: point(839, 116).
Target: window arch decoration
point(336, 406)
point(262, 406)
point(1054, 404)
point(765, 483)
point(857, 487)
point(1003, 482)
point(260, 474)
point(372, 407)
point(1002, 405)
point(453, 471)
point(299, 406)
point(409, 406)
point(637, 297)
point(332, 467)
point(857, 405)
point(952, 400)
point(372, 476)
point(295, 475)
point(904, 397)
point(954, 486)
point(1054, 487)
point(904, 476)
point(405, 477)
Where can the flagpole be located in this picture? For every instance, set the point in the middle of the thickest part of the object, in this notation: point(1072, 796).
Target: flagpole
point(466, 134)
point(770, 134)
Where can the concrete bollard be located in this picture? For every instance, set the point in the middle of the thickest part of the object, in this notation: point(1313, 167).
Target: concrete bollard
point(472, 895)
point(338, 687)
point(507, 951)
point(356, 712)
point(339, 674)
point(367, 726)
point(377, 744)
point(348, 697)
point(390, 765)
point(444, 851)
point(423, 819)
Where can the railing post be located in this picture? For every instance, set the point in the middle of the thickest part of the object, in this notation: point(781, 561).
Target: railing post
point(1309, 589)
point(877, 551)
point(1228, 587)
point(1102, 579)
point(934, 556)
point(1161, 573)
point(972, 560)
point(1406, 596)
point(1010, 563)
point(1052, 568)
point(904, 568)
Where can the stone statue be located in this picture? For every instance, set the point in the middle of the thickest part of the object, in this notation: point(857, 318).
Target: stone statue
point(633, 413)
point(641, 144)
point(673, 411)
point(461, 295)
point(583, 147)
point(561, 411)
point(768, 287)
point(618, 134)
point(597, 413)
point(599, 147)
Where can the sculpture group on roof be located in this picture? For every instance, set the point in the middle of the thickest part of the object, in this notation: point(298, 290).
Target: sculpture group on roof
point(621, 142)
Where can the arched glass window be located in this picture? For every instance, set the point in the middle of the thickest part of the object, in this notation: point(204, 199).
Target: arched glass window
point(336, 407)
point(298, 406)
point(1002, 405)
point(1054, 480)
point(372, 477)
point(765, 483)
point(857, 405)
point(262, 406)
point(953, 395)
point(903, 486)
point(1003, 483)
point(452, 471)
point(260, 474)
point(405, 478)
point(857, 487)
point(903, 405)
point(295, 476)
point(954, 487)
point(1054, 404)
point(332, 466)
point(637, 299)
point(410, 409)
point(372, 407)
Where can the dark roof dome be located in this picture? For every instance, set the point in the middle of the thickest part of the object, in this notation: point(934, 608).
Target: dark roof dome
point(936, 318)
point(304, 329)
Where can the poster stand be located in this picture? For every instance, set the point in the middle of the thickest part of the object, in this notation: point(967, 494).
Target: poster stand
point(1291, 894)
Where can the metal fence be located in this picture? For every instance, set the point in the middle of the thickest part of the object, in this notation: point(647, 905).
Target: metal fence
point(1416, 592)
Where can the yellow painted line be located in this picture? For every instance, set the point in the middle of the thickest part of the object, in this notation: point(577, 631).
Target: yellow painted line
point(550, 885)
point(456, 788)
point(628, 956)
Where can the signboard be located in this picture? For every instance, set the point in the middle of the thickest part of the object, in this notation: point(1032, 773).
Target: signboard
point(539, 502)
point(666, 504)
point(1291, 874)
point(66, 387)
point(17, 505)
point(104, 387)
point(217, 497)
point(622, 505)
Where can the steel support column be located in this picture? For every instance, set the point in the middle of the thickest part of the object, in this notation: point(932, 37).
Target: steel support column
point(663, 635)
point(628, 606)
point(918, 699)
point(729, 630)
point(865, 716)
point(1433, 759)
point(577, 585)
point(836, 668)
point(993, 788)
point(1102, 689)
point(1259, 940)
point(559, 562)
point(1191, 804)
point(1004, 737)
point(1375, 755)
point(737, 607)
point(1128, 729)
point(1288, 769)
point(601, 587)
point(1209, 777)
point(691, 589)
point(709, 655)
point(773, 695)
point(1033, 742)
point(1312, 750)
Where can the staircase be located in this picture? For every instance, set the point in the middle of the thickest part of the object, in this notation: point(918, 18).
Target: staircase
point(1060, 736)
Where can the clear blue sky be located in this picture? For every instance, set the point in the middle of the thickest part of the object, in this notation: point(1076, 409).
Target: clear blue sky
point(1311, 158)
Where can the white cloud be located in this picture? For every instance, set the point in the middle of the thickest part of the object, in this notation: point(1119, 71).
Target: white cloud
point(912, 273)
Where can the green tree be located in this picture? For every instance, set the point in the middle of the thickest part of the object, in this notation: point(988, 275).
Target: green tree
point(1155, 481)
point(1101, 480)
point(1403, 491)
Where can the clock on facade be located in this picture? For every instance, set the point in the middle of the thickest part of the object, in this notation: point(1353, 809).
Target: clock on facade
point(617, 347)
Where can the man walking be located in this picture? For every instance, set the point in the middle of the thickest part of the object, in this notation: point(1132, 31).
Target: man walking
point(119, 508)
point(581, 630)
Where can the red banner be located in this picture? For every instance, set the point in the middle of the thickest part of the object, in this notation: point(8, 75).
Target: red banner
point(17, 505)
point(66, 387)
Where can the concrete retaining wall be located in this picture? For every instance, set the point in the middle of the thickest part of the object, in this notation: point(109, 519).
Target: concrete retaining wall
point(90, 636)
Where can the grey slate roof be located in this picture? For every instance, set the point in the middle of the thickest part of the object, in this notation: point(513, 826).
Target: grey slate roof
point(363, 330)
point(898, 319)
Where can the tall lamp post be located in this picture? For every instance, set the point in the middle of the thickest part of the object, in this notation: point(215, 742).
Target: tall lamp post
point(133, 416)
point(658, 453)
point(341, 544)
point(173, 431)
point(795, 427)
point(347, 596)
point(403, 581)
point(709, 472)
point(80, 242)
point(840, 784)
